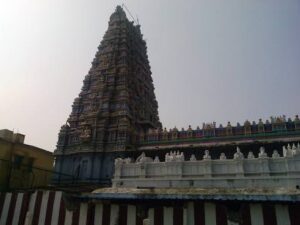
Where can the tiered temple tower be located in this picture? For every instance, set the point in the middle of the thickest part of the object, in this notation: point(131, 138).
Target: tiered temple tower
point(115, 106)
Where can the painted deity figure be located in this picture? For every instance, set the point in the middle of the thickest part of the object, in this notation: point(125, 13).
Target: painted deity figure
point(295, 150)
point(262, 153)
point(223, 156)
point(118, 166)
point(86, 132)
point(118, 162)
point(275, 154)
point(179, 157)
point(206, 155)
point(286, 152)
point(238, 154)
point(193, 158)
point(174, 156)
point(167, 157)
point(127, 160)
point(142, 158)
point(156, 159)
point(250, 155)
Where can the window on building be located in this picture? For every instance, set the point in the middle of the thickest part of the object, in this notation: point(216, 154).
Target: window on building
point(18, 159)
point(30, 164)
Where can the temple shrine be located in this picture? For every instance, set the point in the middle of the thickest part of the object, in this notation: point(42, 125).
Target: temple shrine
point(116, 115)
point(125, 168)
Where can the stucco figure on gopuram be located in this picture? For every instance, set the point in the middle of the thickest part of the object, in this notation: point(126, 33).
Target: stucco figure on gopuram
point(116, 104)
point(116, 116)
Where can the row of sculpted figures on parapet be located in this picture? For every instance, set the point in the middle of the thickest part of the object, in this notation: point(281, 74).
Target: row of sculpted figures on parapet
point(274, 125)
point(177, 156)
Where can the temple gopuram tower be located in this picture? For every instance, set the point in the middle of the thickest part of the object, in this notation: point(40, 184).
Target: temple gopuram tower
point(115, 106)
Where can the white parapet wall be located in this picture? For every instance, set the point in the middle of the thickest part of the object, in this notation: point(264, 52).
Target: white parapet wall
point(239, 172)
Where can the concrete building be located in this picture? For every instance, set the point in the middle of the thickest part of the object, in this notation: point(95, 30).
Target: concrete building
point(21, 165)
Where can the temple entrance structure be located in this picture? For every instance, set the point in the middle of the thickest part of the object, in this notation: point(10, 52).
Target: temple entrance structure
point(116, 116)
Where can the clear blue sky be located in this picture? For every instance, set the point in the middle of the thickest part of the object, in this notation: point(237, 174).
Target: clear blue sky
point(220, 61)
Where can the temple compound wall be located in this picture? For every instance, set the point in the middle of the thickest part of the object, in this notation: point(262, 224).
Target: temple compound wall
point(238, 172)
point(45, 207)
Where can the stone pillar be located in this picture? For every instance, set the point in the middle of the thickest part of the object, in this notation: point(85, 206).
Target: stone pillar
point(210, 213)
point(168, 215)
point(68, 217)
point(131, 214)
point(256, 214)
point(190, 214)
point(282, 214)
point(3, 216)
point(184, 216)
point(98, 214)
point(18, 208)
point(150, 216)
point(56, 208)
point(83, 213)
point(114, 214)
point(30, 211)
point(43, 206)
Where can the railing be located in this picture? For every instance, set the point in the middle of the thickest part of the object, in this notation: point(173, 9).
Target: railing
point(239, 172)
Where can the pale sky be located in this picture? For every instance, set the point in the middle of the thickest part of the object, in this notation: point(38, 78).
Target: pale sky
point(211, 60)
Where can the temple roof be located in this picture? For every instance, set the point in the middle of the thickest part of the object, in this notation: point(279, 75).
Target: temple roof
point(272, 194)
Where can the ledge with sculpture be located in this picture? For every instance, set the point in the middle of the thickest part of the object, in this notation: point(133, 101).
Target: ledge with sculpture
point(277, 126)
point(238, 172)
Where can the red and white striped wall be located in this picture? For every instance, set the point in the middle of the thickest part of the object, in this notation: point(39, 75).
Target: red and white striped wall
point(48, 207)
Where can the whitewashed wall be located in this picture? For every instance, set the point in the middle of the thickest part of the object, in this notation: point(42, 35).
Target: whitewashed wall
point(221, 173)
